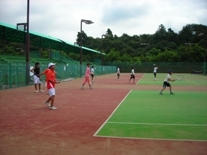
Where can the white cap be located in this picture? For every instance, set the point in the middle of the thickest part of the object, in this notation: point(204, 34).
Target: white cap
point(51, 64)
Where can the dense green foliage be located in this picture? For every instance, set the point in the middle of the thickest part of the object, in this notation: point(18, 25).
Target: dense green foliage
point(188, 45)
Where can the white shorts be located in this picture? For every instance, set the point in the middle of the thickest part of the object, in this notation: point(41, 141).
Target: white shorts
point(51, 91)
point(36, 80)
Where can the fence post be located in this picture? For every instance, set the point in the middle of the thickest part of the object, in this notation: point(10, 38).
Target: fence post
point(204, 68)
point(17, 74)
point(10, 75)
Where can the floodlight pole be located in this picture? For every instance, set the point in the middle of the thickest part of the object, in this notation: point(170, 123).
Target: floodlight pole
point(76, 44)
point(204, 59)
point(145, 44)
point(205, 55)
point(81, 53)
point(26, 29)
point(102, 58)
point(27, 45)
point(189, 49)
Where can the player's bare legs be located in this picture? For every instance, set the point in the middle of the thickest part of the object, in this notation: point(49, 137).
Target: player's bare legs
point(130, 79)
point(36, 87)
point(162, 90)
point(50, 101)
point(39, 86)
point(171, 90)
point(52, 98)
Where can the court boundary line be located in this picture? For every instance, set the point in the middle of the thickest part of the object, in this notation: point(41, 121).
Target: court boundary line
point(112, 113)
point(160, 124)
point(192, 81)
point(140, 79)
point(157, 139)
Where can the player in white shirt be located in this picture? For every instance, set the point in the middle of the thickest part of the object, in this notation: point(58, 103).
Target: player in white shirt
point(92, 73)
point(118, 73)
point(166, 82)
point(155, 71)
point(132, 76)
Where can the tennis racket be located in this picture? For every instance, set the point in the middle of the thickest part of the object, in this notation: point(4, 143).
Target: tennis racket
point(179, 77)
point(31, 74)
point(42, 84)
point(61, 80)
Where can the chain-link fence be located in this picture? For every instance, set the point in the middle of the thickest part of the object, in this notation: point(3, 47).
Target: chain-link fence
point(163, 67)
point(14, 74)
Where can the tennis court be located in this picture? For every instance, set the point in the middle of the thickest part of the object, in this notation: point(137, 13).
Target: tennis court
point(144, 114)
point(127, 118)
point(188, 80)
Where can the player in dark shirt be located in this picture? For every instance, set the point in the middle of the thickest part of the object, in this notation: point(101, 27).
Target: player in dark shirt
point(36, 71)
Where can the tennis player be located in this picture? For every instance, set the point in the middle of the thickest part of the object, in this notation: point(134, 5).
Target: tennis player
point(37, 82)
point(132, 76)
point(118, 73)
point(155, 71)
point(87, 77)
point(45, 73)
point(92, 73)
point(166, 82)
point(51, 81)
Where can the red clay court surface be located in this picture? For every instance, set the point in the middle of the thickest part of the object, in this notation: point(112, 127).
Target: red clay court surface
point(28, 127)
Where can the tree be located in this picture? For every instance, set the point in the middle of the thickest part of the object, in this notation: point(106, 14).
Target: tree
point(161, 33)
point(187, 34)
point(172, 36)
point(84, 38)
point(109, 33)
point(112, 56)
point(167, 56)
point(187, 46)
point(126, 58)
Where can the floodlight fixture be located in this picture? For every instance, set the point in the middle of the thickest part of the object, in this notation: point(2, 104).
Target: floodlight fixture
point(80, 45)
point(21, 24)
point(86, 21)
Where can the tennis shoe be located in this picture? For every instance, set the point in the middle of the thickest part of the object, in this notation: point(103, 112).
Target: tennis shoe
point(171, 93)
point(82, 87)
point(53, 108)
point(36, 91)
point(42, 91)
point(47, 103)
point(161, 93)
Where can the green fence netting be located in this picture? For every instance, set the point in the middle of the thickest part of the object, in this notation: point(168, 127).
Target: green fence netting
point(14, 74)
point(147, 67)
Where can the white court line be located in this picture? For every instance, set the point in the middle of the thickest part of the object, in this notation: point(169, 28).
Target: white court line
point(160, 124)
point(192, 82)
point(112, 114)
point(140, 79)
point(137, 138)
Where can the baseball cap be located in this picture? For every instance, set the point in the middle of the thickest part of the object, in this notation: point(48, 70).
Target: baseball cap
point(170, 71)
point(51, 64)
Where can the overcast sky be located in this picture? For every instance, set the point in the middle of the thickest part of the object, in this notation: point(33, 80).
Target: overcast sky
point(61, 18)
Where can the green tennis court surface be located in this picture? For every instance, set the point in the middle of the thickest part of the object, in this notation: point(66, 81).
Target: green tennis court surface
point(189, 79)
point(144, 114)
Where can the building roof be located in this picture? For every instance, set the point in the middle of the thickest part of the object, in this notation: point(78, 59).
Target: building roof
point(10, 33)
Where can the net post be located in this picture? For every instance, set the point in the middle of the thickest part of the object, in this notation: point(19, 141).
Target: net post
point(204, 68)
